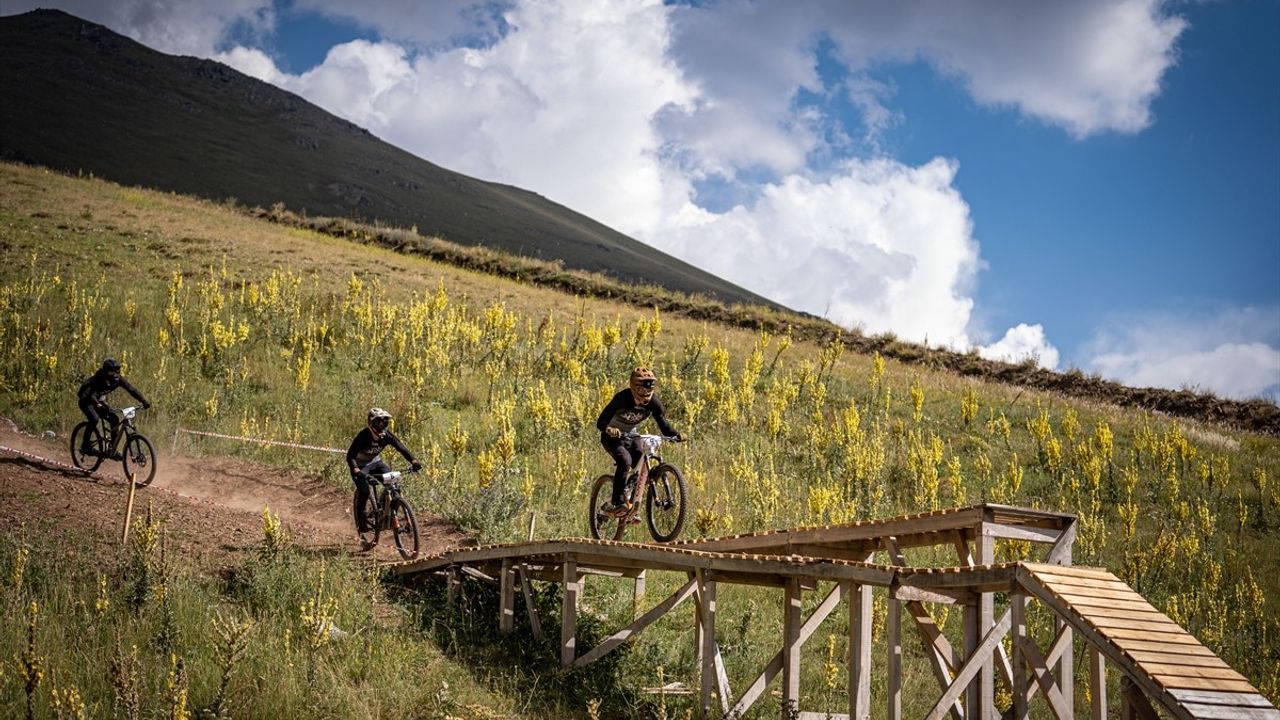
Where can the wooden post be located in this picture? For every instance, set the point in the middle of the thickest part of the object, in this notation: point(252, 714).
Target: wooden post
point(697, 620)
point(533, 521)
point(986, 620)
point(535, 623)
point(973, 700)
point(637, 595)
point(1018, 614)
point(1066, 666)
point(860, 606)
point(453, 578)
point(1098, 680)
point(507, 597)
point(893, 628)
point(569, 612)
point(128, 511)
point(791, 643)
point(707, 667)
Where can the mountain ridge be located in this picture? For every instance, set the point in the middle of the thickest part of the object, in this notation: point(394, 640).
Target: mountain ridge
point(83, 97)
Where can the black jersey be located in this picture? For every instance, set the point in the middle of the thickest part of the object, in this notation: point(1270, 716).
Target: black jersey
point(101, 384)
point(624, 413)
point(365, 448)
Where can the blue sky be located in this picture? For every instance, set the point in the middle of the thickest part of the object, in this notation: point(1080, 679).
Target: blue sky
point(1092, 184)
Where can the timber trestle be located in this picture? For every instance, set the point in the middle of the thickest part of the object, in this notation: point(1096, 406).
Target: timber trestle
point(1159, 664)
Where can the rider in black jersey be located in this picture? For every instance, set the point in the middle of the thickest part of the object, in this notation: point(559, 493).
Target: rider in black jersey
point(364, 458)
point(617, 424)
point(92, 396)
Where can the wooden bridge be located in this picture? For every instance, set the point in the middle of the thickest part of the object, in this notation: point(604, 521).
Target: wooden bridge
point(1159, 664)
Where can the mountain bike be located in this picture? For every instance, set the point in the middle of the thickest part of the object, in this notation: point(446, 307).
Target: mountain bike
point(659, 483)
point(138, 456)
point(386, 509)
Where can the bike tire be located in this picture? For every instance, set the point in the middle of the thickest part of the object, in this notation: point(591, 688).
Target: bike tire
point(139, 460)
point(604, 527)
point(369, 537)
point(666, 502)
point(88, 463)
point(404, 528)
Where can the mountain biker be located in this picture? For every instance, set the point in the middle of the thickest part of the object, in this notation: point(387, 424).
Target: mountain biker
point(617, 424)
point(364, 457)
point(93, 404)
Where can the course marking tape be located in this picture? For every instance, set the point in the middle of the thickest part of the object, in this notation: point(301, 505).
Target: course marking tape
point(47, 461)
point(262, 441)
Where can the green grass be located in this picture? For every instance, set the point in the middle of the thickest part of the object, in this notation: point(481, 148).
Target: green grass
point(784, 431)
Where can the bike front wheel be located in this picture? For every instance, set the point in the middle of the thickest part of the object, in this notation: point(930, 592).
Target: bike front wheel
point(139, 460)
point(405, 528)
point(86, 435)
point(666, 502)
point(604, 526)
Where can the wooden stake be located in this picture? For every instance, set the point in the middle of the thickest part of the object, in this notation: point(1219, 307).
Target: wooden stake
point(128, 511)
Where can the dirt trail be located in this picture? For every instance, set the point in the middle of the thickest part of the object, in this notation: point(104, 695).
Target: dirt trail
point(212, 505)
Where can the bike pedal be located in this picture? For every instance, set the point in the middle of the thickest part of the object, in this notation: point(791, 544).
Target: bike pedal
point(633, 520)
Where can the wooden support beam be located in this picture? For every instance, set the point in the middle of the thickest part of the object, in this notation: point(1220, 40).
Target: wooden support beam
point(1061, 643)
point(942, 657)
point(791, 644)
point(972, 638)
point(1097, 684)
point(507, 597)
point(526, 589)
point(972, 667)
point(1060, 552)
point(572, 589)
point(707, 670)
point(860, 609)
point(1067, 667)
point(453, 587)
point(1044, 678)
point(672, 602)
point(771, 669)
point(1133, 703)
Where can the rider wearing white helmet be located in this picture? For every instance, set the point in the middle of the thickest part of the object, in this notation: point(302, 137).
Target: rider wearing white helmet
point(364, 457)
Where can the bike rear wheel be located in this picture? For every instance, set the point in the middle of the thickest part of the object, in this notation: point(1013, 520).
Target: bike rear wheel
point(139, 460)
point(666, 502)
point(368, 537)
point(93, 441)
point(603, 526)
point(405, 528)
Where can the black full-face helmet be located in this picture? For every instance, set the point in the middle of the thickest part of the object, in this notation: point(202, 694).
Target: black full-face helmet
point(111, 367)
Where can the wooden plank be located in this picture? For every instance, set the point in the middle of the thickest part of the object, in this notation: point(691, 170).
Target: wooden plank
point(1232, 699)
point(1045, 678)
point(1105, 621)
point(1069, 571)
point(1130, 645)
point(1085, 604)
point(722, 682)
point(1186, 683)
point(1069, 582)
point(1222, 712)
point(1143, 615)
point(1168, 658)
point(1071, 592)
point(1178, 638)
point(1031, 534)
point(674, 600)
point(1169, 670)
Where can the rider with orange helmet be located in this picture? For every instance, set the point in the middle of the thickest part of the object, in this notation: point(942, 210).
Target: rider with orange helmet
point(617, 423)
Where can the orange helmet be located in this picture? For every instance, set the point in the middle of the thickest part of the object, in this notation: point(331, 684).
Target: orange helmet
point(642, 383)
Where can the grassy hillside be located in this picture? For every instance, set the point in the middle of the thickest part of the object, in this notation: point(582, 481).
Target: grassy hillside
point(241, 326)
point(82, 98)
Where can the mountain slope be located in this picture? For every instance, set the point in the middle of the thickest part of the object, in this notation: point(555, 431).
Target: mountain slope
point(81, 97)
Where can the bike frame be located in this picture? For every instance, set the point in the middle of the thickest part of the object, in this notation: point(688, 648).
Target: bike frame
point(121, 430)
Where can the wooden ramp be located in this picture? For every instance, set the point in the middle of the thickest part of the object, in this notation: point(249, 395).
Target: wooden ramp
point(1165, 661)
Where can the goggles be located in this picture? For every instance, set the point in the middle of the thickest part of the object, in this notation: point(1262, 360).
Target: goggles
point(380, 423)
point(647, 383)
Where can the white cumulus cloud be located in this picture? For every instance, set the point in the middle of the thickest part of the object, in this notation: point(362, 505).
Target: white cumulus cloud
point(1023, 342)
point(1232, 352)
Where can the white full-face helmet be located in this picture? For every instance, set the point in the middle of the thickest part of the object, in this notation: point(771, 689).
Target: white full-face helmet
point(379, 420)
